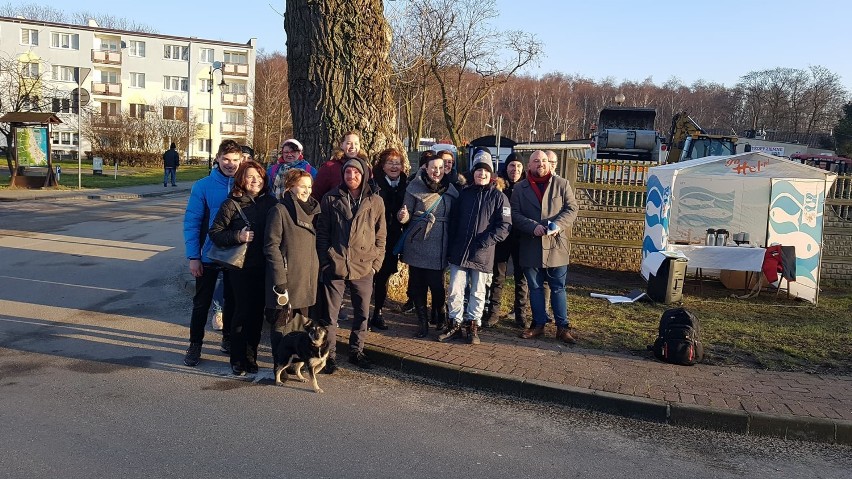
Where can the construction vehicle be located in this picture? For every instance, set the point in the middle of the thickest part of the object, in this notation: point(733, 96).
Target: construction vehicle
point(627, 133)
point(689, 141)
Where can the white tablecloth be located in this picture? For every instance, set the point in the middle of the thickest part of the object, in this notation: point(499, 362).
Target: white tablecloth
point(735, 258)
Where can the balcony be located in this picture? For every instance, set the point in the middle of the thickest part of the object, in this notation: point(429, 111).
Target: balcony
point(235, 99)
point(106, 57)
point(232, 129)
point(106, 89)
point(233, 69)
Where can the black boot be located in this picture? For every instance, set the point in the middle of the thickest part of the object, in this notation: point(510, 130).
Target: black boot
point(441, 321)
point(422, 321)
point(433, 317)
point(472, 335)
point(377, 321)
point(455, 330)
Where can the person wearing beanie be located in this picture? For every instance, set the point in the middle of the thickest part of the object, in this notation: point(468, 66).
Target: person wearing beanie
point(290, 157)
point(171, 161)
point(480, 219)
point(351, 237)
point(511, 172)
point(543, 210)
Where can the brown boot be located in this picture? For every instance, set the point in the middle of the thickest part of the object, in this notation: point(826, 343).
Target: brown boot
point(473, 336)
point(564, 335)
point(533, 332)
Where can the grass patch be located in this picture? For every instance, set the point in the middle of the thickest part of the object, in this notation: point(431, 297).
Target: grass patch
point(762, 332)
point(126, 176)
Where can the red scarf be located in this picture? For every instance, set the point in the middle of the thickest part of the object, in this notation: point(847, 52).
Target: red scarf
point(539, 184)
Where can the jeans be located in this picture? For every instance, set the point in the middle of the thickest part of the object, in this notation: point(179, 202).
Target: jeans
point(556, 279)
point(360, 291)
point(475, 302)
point(169, 173)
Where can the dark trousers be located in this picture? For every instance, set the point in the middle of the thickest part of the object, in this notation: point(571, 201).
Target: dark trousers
point(380, 295)
point(360, 291)
point(248, 286)
point(499, 279)
point(420, 280)
point(284, 321)
point(204, 287)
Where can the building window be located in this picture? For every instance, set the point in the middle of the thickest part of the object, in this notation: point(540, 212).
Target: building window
point(174, 113)
point(204, 145)
point(235, 117)
point(173, 83)
point(238, 58)
point(62, 105)
point(108, 76)
point(137, 80)
point(64, 138)
point(109, 45)
point(137, 110)
point(29, 36)
point(137, 48)
point(63, 73)
point(110, 108)
point(68, 41)
point(206, 115)
point(29, 70)
point(206, 55)
point(176, 52)
point(237, 88)
point(206, 85)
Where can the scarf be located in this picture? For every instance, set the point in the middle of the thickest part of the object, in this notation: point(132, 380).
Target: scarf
point(539, 184)
point(439, 187)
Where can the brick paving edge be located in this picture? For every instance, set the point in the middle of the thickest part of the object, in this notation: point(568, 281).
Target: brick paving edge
point(799, 428)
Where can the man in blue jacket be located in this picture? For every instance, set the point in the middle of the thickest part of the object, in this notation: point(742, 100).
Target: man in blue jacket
point(480, 219)
point(207, 195)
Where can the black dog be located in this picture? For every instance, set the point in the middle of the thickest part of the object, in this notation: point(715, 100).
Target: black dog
point(298, 348)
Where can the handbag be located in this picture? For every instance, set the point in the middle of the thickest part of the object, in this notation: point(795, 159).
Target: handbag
point(399, 247)
point(230, 257)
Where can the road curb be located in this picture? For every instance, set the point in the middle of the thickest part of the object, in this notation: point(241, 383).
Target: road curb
point(93, 196)
point(809, 429)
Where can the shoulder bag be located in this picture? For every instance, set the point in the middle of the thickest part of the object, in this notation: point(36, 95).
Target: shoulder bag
point(400, 244)
point(230, 257)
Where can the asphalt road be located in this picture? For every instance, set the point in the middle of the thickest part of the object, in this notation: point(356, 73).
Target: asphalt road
point(92, 335)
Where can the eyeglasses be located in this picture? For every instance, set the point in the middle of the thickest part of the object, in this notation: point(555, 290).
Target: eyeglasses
point(393, 163)
point(286, 152)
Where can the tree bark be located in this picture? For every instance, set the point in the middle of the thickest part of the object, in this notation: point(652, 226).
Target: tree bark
point(337, 52)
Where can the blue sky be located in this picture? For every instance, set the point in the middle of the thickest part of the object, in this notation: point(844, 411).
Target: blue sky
point(718, 40)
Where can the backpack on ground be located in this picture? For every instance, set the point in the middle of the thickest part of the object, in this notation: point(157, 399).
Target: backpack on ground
point(679, 340)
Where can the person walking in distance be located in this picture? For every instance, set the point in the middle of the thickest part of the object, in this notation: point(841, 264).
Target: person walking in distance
point(205, 198)
point(351, 235)
point(543, 209)
point(171, 160)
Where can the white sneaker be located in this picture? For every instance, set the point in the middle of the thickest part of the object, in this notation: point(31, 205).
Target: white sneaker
point(217, 321)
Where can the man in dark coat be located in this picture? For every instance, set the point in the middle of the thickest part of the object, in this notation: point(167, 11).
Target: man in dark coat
point(351, 236)
point(171, 160)
point(481, 218)
point(543, 210)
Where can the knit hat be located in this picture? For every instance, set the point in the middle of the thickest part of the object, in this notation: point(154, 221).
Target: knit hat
point(354, 163)
point(293, 144)
point(482, 159)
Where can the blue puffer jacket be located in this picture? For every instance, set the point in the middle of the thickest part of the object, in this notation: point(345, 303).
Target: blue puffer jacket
point(480, 219)
point(204, 201)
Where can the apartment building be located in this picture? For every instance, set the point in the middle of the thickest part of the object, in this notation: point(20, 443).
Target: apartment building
point(207, 83)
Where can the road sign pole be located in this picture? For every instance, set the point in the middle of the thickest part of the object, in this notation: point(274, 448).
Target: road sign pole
point(80, 75)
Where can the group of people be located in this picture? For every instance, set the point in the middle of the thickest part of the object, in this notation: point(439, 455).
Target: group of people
point(311, 234)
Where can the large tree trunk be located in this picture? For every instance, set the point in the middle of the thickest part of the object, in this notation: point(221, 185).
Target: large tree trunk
point(337, 53)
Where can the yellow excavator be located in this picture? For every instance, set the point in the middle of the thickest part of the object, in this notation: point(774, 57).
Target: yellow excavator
point(689, 141)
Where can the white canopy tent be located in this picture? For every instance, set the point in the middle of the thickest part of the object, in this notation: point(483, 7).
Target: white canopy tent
point(774, 200)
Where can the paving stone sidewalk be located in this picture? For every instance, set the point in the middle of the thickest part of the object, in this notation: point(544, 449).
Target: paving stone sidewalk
point(784, 404)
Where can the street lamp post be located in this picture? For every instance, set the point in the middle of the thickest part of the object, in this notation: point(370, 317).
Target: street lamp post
point(221, 67)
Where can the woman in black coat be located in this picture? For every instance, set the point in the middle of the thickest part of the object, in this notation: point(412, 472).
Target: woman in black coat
point(249, 196)
point(291, 256)
point(390, 177)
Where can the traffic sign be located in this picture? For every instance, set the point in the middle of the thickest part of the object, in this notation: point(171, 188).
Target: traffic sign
point(84, 96)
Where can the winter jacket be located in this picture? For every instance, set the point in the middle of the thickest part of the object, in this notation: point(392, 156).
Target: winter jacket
point(480, 219)
point(426, 244)
point(393, 198)
point(559, 206)
point(206, 196)
point(329, 174)
point(291, 252)
point(226, 226)
point(351, 245)
point(171, 159)
point(504, 248)
point(276, 172)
